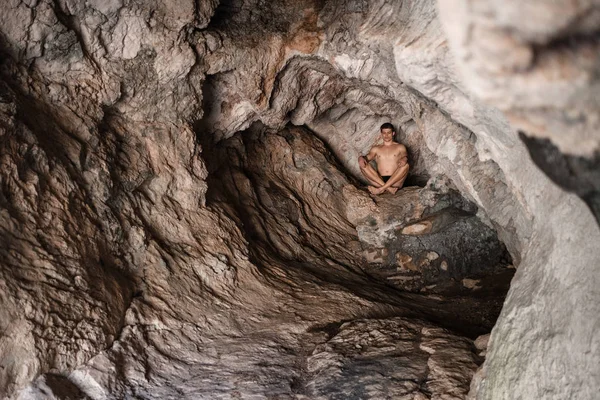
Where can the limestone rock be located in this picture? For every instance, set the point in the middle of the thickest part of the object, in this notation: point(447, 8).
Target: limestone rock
point(169, 231)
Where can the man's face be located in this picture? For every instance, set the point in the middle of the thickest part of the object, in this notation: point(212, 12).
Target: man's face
point(387, 135)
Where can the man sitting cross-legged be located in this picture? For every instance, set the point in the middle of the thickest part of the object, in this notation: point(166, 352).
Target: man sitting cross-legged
point(392, 163)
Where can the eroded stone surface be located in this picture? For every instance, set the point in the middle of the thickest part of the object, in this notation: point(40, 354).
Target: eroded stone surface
point(392, 358)
point(119, 273)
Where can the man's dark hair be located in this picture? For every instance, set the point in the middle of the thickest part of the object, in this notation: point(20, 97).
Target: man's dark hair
point(387, 125)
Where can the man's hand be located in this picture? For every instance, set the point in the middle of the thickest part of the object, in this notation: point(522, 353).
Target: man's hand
point(362, 162)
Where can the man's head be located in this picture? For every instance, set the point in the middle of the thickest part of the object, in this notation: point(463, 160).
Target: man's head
point(387, 132)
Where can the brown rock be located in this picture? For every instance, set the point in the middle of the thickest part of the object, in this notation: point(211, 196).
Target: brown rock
point(376, 255)
point(405, 262)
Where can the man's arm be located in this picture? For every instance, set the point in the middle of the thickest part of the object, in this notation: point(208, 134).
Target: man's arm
point(403, 160)
point(364, 160)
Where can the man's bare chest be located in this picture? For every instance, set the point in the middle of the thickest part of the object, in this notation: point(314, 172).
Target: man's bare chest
point(390, 154)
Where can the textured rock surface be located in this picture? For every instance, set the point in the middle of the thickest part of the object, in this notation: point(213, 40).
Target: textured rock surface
point(285, 191)
point(430, 240)
point(395, 358)
point(149, 251)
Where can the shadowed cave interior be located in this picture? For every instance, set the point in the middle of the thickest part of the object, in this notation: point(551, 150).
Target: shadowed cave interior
point(182, 215)
point(261, 180)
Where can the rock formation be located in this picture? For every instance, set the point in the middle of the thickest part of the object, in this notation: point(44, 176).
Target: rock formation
point(181, 213)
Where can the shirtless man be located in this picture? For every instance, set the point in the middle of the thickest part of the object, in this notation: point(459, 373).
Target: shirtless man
point(392, 163)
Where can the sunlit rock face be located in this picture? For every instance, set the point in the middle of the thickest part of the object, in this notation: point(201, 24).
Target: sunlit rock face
point(182, 216)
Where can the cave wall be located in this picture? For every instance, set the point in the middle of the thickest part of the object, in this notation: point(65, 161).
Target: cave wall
point(108, 107)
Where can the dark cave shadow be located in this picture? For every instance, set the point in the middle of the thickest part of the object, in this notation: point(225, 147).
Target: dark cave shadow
point(575, 174)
